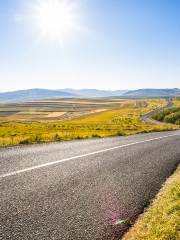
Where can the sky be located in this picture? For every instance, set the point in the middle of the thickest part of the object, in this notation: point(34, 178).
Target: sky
point(103, 44)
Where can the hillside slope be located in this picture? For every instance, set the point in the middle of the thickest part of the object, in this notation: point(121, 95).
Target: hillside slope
point(94, 92)
point(33, 94)
point(153, 93)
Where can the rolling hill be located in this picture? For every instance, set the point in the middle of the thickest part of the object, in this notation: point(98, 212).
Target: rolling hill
point(153, 93)
point(94, 92)
point(38, 94)
point(33, 94)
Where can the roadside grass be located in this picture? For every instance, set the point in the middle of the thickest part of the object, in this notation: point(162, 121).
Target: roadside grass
point(161, 221)
point(124, 120)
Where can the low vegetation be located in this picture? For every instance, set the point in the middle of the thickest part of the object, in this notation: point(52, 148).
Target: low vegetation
point(161, 220)
point(118, 119)
point(170, 115)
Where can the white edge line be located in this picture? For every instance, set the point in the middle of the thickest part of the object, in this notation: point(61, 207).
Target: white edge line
point(80, 156)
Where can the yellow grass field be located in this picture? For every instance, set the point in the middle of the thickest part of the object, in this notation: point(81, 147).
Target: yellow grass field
point(119, 119)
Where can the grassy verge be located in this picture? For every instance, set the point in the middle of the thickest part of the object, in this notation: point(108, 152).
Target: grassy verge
point(161, 221)
point(124, 120)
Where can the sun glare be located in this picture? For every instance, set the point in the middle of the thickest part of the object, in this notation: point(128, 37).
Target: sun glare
point(55, 19)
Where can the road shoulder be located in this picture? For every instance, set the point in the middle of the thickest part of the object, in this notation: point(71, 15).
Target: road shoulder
point(161, 219)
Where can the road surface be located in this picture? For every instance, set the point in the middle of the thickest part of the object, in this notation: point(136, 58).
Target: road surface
point(82, 190)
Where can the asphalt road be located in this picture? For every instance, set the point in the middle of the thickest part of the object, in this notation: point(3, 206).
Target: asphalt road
point(92, 189)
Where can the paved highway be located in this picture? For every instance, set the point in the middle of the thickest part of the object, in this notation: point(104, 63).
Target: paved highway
point(82, 190)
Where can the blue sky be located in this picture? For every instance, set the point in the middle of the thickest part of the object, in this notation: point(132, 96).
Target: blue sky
point(122, 44)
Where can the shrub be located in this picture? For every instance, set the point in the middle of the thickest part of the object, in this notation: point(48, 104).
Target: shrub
point(170, 115)
point(24, 141)
point(96, 136)
point(120, 133)
point(57, 137)
point(172, 118)
point(36, 138)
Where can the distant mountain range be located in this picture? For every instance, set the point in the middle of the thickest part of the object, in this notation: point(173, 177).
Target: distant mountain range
point(38, 94)
point(153, 93)
point(32, 94)
point(94, 92)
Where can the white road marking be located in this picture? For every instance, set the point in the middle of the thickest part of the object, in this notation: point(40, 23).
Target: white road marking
point(80, 156)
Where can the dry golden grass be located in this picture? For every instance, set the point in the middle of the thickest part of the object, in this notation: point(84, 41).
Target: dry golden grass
point(124, 120)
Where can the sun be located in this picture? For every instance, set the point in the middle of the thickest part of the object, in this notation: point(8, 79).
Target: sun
point(55, 19)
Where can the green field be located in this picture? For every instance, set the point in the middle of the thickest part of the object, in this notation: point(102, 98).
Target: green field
point(75, 119)
point(161, 220)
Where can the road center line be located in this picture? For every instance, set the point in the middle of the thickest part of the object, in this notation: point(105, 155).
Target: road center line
point(80, 156)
